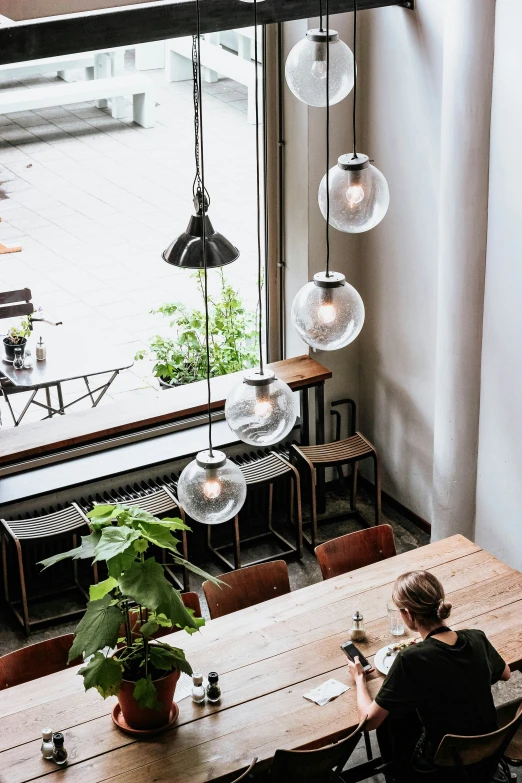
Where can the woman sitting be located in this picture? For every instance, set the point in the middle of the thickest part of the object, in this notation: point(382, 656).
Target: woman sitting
point(439, 686)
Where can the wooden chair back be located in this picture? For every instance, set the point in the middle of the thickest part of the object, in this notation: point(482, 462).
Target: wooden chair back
point(317, 766)
point(17, 303)
point(191, 601)
point(484, 750)
point(247, 587)
point(355, 550)
point(36, 660)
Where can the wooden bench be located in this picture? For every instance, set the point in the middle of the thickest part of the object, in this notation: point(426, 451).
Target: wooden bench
point(138, 86)
point(214, 59)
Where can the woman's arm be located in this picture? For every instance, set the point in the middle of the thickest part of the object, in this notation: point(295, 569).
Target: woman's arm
point(366, 706)
point(506, 674)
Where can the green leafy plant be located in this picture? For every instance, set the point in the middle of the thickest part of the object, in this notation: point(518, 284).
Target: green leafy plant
point(181, 357)
point(17, 334)
point(135, 596)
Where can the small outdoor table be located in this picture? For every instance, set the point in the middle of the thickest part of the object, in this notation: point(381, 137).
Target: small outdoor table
point(68, 359)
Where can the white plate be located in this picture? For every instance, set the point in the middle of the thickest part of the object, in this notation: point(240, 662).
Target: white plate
point(383, 662)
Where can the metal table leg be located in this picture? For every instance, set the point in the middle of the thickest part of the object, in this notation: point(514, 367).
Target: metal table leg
point(60, 398)
point(319, 438)
point(305, 417)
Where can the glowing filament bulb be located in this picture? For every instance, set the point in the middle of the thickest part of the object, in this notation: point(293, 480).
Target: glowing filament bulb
point(263, 408)
point(327, 313)
point(319, 69)
point(212, 488)
point(354, 195)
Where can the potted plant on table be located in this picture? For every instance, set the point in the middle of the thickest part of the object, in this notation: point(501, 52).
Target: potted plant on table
point(127, 609)
point(16, 337)
point(181, 357)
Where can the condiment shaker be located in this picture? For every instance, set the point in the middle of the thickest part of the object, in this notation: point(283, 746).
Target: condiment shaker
point(198, 689)
point(357, 631)
point(47, 743)
point(213, 688)
point(41, 350)
point(59, 752)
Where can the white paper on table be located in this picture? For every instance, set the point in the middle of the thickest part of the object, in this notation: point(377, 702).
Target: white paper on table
point(183, 687)
point(329, 690)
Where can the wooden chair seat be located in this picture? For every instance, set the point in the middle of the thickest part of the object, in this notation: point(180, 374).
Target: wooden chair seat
point(314, 766)
point(258, 471)
point(14, 532)
point(36, 660)
point(247, 587)
point(355, 550)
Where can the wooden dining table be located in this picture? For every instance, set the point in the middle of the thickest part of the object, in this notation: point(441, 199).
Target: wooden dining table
point(268, 657)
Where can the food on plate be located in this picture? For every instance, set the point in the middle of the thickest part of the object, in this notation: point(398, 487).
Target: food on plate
point(393, 649)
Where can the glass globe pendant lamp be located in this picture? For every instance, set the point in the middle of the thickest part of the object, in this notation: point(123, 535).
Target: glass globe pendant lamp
point(328, 312)
point(262, 409)
point(306, 69)
point(359, 194)
point(211, 489)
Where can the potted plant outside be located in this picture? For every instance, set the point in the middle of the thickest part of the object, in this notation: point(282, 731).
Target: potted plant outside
point(127, 609)
point(181, 357)
point(16, 337)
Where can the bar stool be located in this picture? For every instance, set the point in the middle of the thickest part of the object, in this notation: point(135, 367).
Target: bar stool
point(351, 450)
point(157, 502)
point(24, 530)
point(266, 470)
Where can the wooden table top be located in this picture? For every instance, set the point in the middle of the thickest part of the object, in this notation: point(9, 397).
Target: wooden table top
point(267, 656)
point(60, 432)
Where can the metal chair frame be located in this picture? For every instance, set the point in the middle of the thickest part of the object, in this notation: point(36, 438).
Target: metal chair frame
point(266, 470)
point(66, 520)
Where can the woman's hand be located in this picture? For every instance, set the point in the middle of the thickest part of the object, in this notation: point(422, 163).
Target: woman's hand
point(355, 668)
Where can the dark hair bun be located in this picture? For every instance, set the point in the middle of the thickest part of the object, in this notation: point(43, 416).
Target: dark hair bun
point(444, 610)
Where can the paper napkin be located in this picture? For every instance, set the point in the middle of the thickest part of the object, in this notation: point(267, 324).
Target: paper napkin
point(329, 690)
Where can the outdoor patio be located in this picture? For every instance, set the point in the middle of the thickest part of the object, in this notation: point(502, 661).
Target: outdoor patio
point(94, 201)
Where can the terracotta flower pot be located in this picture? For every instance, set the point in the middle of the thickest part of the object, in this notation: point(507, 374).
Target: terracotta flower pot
point(141, 717)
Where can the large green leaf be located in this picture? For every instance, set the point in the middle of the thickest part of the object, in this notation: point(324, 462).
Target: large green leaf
point(145, 694)
point(123, 561)
point(114, 541)
point(145, 583)
point(99, 591)
point(167, 658)
point(199, 571)
point(159, 534)
point(85, 550)
point(104, 674)
point(98, 628)
point(174, 523)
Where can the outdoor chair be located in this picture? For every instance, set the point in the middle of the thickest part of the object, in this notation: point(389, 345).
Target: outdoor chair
point(40, 530)
point(506, 713)
point(355, 550)
point(247, 587)
point(36, 660)
point(258, 472)
point(348, 451)
point(314, 766)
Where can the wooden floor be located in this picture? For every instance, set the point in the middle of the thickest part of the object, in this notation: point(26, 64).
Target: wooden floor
point(268, 656)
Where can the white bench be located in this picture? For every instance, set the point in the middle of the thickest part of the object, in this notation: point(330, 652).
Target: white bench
point(214, 59)
point(116, 88)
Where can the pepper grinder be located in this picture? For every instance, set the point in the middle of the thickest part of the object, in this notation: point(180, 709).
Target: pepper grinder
point(41, 350)
point(59, 752)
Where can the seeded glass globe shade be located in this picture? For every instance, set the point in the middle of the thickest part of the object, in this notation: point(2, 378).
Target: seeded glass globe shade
point(328, 313)
point(262, 409)
point(359, 195)
point(211, 489)
point(306, 67)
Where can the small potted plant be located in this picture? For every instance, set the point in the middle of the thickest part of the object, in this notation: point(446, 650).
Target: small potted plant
point(181, 357)
point(16, 337)
point(126, 611)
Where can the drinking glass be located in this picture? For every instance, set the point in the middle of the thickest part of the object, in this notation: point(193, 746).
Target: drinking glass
point(395, 619)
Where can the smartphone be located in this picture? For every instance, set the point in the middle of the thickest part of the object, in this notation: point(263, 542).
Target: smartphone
point(350, 650)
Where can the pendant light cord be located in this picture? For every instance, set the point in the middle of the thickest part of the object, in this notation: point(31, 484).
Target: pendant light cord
point(327, 139)
point(199, 104)
point(354, 76)
point(197, 187)
point(321, 15)
point(258, 185)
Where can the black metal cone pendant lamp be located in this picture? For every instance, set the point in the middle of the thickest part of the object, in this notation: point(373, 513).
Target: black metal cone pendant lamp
point(187, 250)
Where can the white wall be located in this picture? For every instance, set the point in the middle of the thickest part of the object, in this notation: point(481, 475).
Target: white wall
point(400, 88)
point(499, 508)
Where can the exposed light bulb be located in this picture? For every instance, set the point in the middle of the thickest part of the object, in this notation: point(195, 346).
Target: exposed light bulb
point(319, 69)
point(354, 195)
point(327, 313)
point(212, 488)
point(262, 409)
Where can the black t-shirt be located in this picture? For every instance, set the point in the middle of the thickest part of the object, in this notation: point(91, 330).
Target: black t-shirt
point(449, 687)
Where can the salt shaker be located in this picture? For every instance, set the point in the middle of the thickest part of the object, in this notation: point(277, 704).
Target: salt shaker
point(198, 689)
point(59, 752)
point(47, 743)
point(213, 688)
point(28, 359)
point(41, 350)
point(357, 631)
